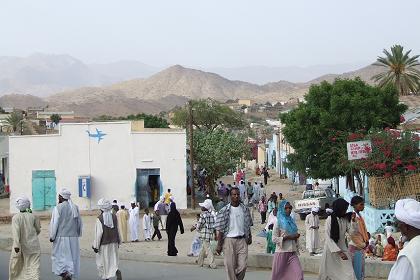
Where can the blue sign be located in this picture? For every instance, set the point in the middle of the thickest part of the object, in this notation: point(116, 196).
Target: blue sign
point(99, 135)
point(84, 186)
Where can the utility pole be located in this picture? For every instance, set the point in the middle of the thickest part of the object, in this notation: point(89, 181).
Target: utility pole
point(191, 138)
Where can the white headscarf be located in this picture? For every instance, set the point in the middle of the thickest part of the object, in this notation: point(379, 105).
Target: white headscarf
point(329, 211)
point(22, 203)
point(106, 207)
point(315, 209)
point(408, 211)
point(65, 193)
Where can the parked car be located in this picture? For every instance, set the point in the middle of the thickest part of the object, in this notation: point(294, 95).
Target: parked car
point(323, 199)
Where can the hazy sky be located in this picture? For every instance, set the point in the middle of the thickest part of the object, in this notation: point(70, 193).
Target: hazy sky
point(212, 32)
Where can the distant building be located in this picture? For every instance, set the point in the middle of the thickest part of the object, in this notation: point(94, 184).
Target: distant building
point(246, 102)
point(33, 111)
point(8, 110)
point(43, 115)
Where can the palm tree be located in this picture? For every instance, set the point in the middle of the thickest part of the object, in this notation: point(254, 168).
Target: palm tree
point(15, 120)
point(401, 70)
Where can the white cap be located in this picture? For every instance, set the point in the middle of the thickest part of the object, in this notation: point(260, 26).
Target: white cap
point(207, 204)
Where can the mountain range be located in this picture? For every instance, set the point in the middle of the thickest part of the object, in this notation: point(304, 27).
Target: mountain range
point(97, 89)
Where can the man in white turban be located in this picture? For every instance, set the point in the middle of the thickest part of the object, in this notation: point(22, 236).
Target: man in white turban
point(65, 231)
point(25, 256)
point(106, 241)
point(134, 221)
point(407, 267)
point(312, 231)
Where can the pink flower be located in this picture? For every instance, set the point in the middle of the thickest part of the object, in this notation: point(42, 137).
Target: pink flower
point(411, 167)
point(402, 119)
point(398, 162)
point(381, 166)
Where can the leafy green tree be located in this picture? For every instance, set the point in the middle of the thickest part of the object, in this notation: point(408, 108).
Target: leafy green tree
point(150, 121)
point(209, 114)
point(400, 70)
point(219, 151)
point(331, 112)
point(55, 118)
point(15, 120)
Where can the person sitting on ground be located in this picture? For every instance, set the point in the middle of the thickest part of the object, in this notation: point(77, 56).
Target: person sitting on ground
point(370, 249)
point(390, 251)
point(379, 248)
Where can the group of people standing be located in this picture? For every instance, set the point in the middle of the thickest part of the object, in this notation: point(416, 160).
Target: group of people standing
point(64, 233)
point(66, 228)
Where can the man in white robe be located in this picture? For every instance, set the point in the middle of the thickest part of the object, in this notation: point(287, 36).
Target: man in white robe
point(147, 225)
point(407, 267)
point(242, 191)
point(25, 257)
point(133, 222)
point(106, 242)
point(65, 231)
point(312, 231)
point(256, 189)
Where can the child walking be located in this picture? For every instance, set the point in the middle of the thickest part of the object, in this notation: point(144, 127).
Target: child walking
point(147, 225)
point(271, 246)
point(156, 220)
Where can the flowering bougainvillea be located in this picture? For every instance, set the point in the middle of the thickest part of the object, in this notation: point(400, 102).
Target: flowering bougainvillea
point(394, 152)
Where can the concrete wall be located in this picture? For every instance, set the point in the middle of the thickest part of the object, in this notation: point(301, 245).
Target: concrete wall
point(112, 163)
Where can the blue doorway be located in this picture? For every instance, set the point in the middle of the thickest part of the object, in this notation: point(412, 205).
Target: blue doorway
point(43, 189)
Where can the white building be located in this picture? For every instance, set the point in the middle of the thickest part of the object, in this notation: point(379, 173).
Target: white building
point(114, 160)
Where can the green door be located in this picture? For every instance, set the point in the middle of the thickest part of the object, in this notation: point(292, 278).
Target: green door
point(38, 196)
point(43, 189)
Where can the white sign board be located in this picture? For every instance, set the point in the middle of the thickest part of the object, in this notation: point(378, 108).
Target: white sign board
point(358, 150)
point(306, 203)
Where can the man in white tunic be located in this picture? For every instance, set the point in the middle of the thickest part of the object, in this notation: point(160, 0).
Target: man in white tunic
point(147, 225)
point(65, 230)
point(24, 260)
point(106, 241)
point(407, 267)
point(312, 231)
point(133, 221)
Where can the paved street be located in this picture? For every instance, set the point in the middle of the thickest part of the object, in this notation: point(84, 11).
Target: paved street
point(139, 270)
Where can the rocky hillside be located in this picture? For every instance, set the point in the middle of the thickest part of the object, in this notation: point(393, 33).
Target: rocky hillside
point(174, 86)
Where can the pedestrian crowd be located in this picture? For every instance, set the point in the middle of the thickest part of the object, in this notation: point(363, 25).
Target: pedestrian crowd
point(226, 231)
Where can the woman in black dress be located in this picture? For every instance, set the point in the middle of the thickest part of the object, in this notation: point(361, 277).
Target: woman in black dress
point(172, 223)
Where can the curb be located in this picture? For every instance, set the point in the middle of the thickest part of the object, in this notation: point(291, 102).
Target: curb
point(373, 268)
point(7, 219)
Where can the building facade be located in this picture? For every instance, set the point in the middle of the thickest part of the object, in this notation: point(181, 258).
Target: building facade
point(95, 160)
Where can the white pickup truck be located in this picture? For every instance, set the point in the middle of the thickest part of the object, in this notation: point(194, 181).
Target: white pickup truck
point(314, 198)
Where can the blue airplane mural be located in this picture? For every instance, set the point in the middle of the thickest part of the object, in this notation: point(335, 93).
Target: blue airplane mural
point(98, 135)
